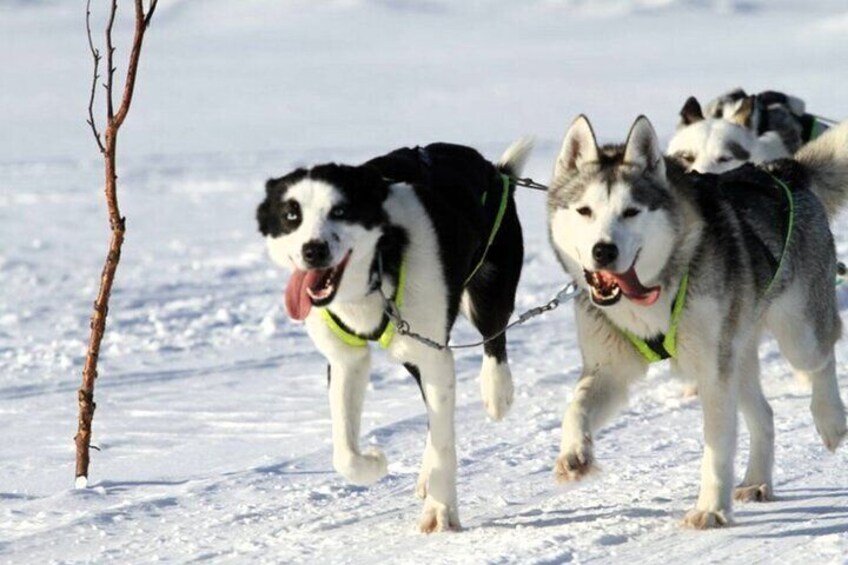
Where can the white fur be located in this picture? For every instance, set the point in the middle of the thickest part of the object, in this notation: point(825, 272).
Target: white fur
point(496, 387)
point(707, 142)
point(516, 155)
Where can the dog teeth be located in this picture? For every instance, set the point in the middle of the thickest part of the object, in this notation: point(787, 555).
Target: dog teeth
point(324, 292)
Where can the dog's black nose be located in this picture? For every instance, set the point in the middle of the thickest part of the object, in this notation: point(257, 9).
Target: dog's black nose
point(604, 253)
point(316, 253)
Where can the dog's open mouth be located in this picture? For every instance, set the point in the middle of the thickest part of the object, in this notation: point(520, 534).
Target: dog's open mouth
point(315, 287)
point(608, 288)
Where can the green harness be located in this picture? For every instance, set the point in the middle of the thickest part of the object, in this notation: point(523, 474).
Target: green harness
point(385, 337)
point(664, 347)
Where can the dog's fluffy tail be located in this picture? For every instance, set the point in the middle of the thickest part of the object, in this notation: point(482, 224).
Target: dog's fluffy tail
point(826, 160)
point(515, 157)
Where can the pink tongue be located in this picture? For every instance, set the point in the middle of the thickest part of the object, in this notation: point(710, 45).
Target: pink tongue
point(633, 288)
point(298, 303)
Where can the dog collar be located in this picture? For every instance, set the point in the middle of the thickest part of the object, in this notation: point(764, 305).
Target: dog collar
point(662, 346)
point(383, 335)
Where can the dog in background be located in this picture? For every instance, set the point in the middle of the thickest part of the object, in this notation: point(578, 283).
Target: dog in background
point(736, 128)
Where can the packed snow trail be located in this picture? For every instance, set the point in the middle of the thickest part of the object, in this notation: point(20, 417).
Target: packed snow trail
point(212, 419)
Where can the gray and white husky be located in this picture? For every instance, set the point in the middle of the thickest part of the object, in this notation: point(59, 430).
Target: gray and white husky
point(694, 268)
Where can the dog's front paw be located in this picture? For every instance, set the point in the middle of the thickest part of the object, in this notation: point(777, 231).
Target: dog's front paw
point(362, 469)
point(705, 519)
point(690, 391)
point(575, 463)
point(438, 517)
point(753, 493)
point(496, 388)
point(423, 479)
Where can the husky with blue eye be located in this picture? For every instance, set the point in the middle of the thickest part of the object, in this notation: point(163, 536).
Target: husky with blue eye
point(693, 268)
point(434, 231)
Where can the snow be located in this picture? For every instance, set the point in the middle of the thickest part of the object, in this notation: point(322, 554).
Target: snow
point(212, 422)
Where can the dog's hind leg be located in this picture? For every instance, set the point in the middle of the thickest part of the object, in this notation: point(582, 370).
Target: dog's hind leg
point(826, 404)
point(488, 302)
point(496, 387)
point(759, 419)
point(348, 381)
point(438, 382)
point(808, 346)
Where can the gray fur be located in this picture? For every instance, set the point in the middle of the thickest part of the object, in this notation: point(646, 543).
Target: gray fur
point(729, 232)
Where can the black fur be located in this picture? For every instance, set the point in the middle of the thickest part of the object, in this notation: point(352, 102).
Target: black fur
point(461, 192)
point(363, 188)
point(416, 374)
point(450, 181)
point(271, 212)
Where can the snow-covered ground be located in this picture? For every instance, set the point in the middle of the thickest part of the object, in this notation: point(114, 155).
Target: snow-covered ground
point(212, 420)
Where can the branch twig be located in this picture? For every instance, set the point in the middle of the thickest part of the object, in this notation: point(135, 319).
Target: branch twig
point(95, 54)
point(150, 11)
point(110, 51)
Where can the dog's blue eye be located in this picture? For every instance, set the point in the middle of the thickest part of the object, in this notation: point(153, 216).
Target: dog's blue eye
point(630, 212)
point(292, 216)
point(338, 212)
point(585, 211)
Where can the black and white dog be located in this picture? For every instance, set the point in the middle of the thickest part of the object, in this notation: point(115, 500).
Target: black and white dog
point(435, 231)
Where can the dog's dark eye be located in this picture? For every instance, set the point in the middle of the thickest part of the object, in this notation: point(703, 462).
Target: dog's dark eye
point(724, 159)
point(585, 211)
point(686, 157)
point(339, 212)
point(630, 212)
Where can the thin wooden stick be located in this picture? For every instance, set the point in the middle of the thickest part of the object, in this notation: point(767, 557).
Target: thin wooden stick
point(95, 54)
point(117, 223)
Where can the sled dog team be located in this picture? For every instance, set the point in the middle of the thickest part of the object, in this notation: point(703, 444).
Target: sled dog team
point(673, 262)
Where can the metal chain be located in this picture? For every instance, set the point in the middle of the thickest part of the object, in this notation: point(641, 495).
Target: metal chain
point(402, 327)
point(529, 183)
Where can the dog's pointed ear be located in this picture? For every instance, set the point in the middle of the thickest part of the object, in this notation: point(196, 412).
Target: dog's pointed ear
point(744, 114)
point(642, 148)
point(691, 112)
point(578, 147)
